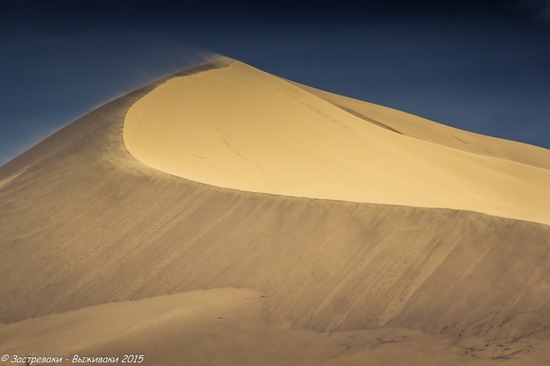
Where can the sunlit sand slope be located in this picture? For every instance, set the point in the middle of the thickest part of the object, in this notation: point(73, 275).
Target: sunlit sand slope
point(84, 223)
point(423, 129)
point(241, 128)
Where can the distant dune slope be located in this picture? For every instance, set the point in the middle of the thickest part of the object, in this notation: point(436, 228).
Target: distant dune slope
point(238, 127)
point(84, 223)
point(424, 129)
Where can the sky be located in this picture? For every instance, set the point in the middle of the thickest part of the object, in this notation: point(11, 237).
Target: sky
point(483, 66)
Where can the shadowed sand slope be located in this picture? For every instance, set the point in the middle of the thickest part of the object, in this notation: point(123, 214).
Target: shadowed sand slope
point(241, 128)
point(84, 223)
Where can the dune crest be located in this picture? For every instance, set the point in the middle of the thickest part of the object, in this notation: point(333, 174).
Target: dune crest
point(90, 235)
point(238, 127)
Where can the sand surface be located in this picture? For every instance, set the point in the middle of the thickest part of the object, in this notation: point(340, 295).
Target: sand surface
point(241, 128)
point(226, 327)
point(424, 129)
point(101, 253)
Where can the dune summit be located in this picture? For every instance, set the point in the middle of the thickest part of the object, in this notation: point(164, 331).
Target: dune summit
point(238, 127)
point(225, 216)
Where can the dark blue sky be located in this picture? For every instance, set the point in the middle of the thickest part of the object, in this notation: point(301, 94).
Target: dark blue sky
point(479, 65)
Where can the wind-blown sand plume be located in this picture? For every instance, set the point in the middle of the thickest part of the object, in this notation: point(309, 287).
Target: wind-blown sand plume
point(91, 230)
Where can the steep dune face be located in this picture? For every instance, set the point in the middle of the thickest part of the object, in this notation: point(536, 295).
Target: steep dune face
point(240, 128)
point(84, 223)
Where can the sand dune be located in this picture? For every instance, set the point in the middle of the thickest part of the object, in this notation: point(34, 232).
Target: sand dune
point(238, 127)
point(226, 327)
point(89, 232)
point(423, 129)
